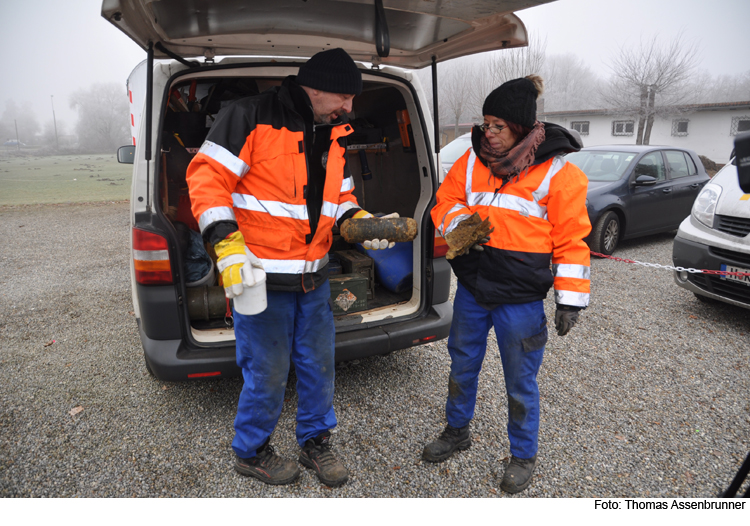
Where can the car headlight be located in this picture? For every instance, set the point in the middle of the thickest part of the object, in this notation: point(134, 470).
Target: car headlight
point(704, 206)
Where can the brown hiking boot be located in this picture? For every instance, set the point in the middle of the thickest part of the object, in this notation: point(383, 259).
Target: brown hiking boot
point(451, 439)
point(267, 467)
point(517, 475)
point(316, 455)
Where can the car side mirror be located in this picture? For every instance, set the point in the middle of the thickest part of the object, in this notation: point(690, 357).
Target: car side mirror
point(126, 154)
point(742, 160)
point(645, 180)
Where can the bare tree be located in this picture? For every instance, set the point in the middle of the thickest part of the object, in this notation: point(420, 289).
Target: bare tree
point(506, 64)
point(456, 81)
point(643, 74)
point(724, 88)
point(21, 118)
point(102, 117)
point(569, 84)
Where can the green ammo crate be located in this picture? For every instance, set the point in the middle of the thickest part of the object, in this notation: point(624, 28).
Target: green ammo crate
point(354, 262)
point(348, 293)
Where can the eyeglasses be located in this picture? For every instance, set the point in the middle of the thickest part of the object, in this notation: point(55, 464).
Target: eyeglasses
point(494, 129)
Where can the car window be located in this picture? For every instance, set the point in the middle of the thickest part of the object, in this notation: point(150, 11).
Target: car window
point(454, 149)
point(651, 164)
point(678, 165)
point(601, 166)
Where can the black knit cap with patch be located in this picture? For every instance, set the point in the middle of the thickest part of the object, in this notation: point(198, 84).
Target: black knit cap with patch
point(513, 101)
point(333, 71)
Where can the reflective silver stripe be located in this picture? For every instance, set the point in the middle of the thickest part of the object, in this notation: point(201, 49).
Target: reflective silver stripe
point(576, 299)
point(524, 207)
point(455, 208)
point(456, 220)
point(568, 270)
point(510, 202)
point(541, 192)
point(273, 208)
point(224, 157)
point(217, 213)
point(470, 171)
point(343, 208)
point(347, 184)
point(329, 209)
point(293, 266)
point(151, 255)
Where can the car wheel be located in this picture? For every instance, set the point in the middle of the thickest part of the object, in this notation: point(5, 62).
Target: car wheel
point(606, 234)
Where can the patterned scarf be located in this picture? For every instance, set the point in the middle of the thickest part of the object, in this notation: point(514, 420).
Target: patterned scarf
point(508, 165)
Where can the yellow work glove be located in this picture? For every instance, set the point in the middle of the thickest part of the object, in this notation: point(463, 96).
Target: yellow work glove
point(233, 256)
point(376, 244)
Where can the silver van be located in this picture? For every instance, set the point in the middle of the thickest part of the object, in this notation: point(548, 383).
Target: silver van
point(202, 55)
point(716, 236)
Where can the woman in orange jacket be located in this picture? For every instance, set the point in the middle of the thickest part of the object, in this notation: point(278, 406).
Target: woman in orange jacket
point(515, 176)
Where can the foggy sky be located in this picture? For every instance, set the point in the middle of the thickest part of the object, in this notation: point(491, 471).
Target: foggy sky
point(53, 47)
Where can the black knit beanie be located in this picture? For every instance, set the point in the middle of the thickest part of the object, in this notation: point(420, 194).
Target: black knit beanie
point(514, 101)
point(333, 71)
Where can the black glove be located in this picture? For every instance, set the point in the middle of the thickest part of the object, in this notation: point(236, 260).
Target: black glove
point(565, 317)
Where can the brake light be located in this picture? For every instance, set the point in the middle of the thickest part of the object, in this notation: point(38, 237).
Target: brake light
point(151, 258)
point(439, 247)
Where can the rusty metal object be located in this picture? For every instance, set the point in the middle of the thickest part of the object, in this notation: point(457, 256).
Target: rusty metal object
point(397, 229)
point(466, 234)
point(206, 303)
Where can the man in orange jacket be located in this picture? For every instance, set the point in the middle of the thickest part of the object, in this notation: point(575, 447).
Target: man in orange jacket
point(515, 176)
point(267, 186)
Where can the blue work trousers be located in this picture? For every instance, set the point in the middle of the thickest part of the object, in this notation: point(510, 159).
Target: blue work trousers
point(296, 327)
point(521, 331)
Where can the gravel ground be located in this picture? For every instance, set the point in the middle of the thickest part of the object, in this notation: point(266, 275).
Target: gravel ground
point(646, 397)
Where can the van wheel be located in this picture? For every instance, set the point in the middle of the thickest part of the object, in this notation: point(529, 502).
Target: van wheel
point(606, 234)
point(148, 367)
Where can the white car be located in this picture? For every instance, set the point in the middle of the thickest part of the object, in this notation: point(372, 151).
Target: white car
point(716, 236)
point(453, 151)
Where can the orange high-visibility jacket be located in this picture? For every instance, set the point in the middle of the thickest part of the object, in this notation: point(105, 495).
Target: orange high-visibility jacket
point(539, 220)
point(253, 170)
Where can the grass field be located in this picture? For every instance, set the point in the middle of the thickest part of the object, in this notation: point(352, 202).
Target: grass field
point(63, 179)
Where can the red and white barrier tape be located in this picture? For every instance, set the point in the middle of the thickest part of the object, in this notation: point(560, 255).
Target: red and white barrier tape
point(678, 269)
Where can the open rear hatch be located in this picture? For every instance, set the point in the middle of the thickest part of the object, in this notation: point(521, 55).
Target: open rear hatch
point(390, 153)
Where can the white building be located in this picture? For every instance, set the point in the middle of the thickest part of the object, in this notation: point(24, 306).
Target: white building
point(708, 129)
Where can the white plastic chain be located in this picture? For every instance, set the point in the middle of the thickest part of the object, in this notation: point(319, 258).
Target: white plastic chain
point(678, 269)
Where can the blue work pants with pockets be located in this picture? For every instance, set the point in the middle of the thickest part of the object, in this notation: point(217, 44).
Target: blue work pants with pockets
point(296, 327)
point(521, 331)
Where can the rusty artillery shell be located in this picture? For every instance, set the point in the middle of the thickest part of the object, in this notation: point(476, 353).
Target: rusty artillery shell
point(396, 229)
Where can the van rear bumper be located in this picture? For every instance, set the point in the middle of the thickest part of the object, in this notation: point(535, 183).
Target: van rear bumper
point(174, 360)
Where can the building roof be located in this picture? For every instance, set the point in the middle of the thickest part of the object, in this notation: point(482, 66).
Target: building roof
point(687, 107)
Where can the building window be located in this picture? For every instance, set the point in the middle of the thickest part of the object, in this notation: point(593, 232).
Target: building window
point(680, 127)
point(623, 127)
point(581, 127)
point(739, 125)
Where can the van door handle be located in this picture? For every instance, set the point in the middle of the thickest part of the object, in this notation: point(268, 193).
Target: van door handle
point(667, 190)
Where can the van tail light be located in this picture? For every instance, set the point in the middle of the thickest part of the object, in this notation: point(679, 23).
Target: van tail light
point(439, 247)
point(151, 258)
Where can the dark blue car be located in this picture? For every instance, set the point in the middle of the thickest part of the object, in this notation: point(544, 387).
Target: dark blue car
point(637, 190)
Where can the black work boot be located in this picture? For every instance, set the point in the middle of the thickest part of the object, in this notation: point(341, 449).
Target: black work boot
point(517, 475)
point(316, 455)
point(451, 439)
point(267, 467)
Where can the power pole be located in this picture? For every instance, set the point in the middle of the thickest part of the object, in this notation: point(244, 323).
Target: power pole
point(54, 121)
point(18, 143)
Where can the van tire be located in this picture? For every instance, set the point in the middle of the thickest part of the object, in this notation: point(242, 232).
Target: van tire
point(148, 367)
